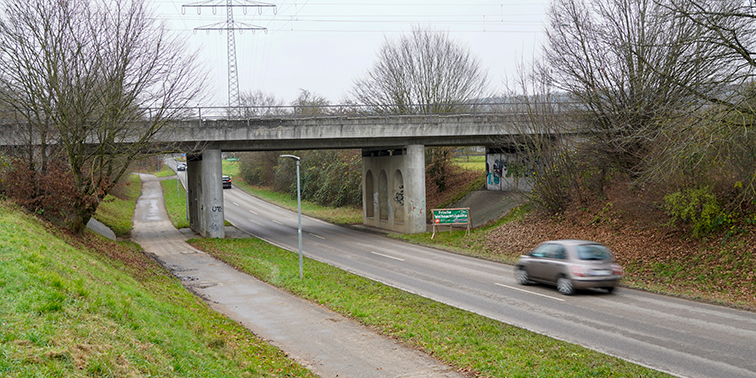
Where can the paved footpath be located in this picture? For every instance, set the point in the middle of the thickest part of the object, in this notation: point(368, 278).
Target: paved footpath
point(327, 343)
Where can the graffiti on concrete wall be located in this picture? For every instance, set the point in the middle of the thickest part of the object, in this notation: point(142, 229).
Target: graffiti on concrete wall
point(399, 196)
point(508, 171)
point(497, 171)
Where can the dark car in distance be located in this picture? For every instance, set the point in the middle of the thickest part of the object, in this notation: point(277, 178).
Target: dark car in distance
point(181, 166)
point(226, 182)
point(570, 265)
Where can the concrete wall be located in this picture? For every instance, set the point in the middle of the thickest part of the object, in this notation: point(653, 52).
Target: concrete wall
point(393, 189)
point(505, 171)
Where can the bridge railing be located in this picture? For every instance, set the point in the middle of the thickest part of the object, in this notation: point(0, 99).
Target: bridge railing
point(362, 111)
point(351, 111)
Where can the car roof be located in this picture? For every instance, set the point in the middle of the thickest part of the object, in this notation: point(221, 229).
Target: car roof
point(572, 242)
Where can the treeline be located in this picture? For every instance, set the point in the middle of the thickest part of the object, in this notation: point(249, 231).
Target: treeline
point(328, 177)
point(653, 96)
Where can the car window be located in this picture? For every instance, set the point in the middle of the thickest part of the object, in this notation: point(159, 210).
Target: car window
point(558, 252)
point(541, 251)
point(593, 252)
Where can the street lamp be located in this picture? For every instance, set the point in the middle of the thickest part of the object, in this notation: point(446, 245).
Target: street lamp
point(299, 213)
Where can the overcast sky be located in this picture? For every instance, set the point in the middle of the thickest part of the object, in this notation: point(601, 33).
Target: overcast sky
point(324, 45)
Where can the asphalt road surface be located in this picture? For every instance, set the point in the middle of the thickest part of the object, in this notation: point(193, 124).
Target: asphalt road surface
point(680, 337)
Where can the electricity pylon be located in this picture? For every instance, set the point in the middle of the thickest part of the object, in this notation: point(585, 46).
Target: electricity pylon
point(230, 26)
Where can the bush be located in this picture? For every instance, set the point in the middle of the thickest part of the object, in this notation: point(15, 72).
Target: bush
point(258, 168)
point(328, 177)
point(697, 207)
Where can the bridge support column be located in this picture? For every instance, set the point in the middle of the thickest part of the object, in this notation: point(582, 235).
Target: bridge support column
point(393, 189)
point(205, 194)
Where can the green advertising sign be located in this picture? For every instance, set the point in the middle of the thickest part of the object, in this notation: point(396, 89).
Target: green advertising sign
point(451, 216)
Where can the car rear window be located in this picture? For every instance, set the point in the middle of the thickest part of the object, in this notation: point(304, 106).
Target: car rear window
point(593, 252)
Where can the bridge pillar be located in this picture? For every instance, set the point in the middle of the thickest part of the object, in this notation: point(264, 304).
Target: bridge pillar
point(393, 189)
point(205, 193)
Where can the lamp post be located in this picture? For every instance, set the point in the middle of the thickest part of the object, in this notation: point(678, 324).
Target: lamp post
point(299, 213)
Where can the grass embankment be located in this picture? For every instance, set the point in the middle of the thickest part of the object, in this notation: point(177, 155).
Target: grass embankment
point(175, 202)
point(90, 307)
point(117, 209)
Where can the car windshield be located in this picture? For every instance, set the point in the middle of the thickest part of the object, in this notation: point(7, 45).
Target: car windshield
point(593, 252)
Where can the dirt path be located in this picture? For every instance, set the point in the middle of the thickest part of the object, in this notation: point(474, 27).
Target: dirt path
point(329, 344)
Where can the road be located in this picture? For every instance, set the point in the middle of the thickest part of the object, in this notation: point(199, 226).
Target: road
point(680, 337)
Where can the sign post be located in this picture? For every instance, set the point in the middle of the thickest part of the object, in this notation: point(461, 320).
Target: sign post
point(451, 217)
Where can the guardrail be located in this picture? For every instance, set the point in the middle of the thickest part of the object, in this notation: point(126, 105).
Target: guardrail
point(250, 113)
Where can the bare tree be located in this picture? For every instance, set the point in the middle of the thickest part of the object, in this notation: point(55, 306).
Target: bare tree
point(633, 67)
point(424, 71)
point(309, 103)
point(716, 147)
point(260, 104)
point(99, 79)
point(539, 156)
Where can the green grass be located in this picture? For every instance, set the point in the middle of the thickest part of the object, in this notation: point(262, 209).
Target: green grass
point(164, 171)
point(473, 163)
point(175, 204)
point(90, 307)
point(339, 215)
point(460, 338)
point(116, 212)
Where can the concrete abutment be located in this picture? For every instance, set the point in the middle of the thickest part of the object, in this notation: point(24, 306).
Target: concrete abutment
point(393, 188)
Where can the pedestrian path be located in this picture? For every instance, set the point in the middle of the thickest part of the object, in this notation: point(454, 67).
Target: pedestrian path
point(329, 344)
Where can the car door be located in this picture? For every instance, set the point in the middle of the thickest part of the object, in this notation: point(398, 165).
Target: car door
point(554, 263)
point(537, 269)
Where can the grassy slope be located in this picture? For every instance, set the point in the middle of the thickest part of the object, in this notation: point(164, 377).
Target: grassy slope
point(90, 307)
point(175, 203)
point(117, 210)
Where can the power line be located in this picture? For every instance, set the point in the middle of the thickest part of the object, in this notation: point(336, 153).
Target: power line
point(230, 26)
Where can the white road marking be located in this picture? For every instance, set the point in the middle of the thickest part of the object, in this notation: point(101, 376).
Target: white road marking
point(277, 222)
point(381, 254)
point(236, 204)
point(530, 292)
point(317, 236)
point(253, 212)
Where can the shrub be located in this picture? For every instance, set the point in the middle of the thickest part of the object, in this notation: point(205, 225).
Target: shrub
point(697, 207)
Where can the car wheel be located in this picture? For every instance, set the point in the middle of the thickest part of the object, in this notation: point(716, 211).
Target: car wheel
point(522, 276)
point(564, 286)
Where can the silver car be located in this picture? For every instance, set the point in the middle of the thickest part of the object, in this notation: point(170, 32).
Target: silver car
point(570, 265)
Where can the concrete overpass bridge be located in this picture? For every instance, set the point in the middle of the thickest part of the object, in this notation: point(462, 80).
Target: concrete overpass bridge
point(393, 154)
